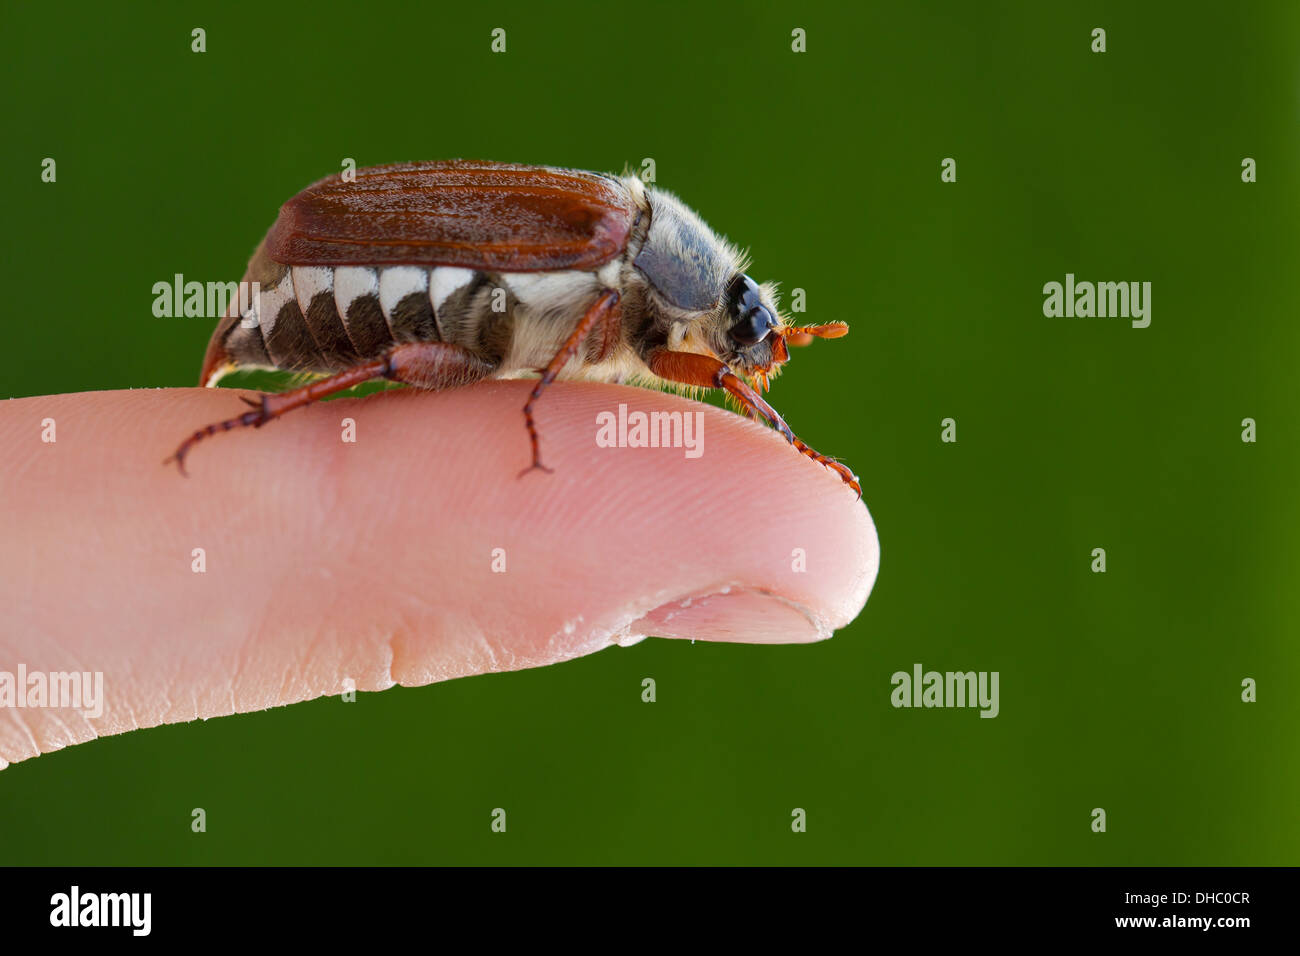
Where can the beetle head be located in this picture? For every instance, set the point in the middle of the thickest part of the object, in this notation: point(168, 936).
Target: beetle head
point(754, 338)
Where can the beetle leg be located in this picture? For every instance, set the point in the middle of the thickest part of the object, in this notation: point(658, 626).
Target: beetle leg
point(705, 371)
point(605, 311)
point(429, 365)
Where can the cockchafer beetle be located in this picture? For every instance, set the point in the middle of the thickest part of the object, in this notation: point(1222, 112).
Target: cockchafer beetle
point(440, 274)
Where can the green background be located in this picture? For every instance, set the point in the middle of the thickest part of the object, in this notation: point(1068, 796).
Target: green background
point(1118, 690)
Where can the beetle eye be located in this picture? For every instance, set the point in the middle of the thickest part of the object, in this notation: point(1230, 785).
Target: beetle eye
point(753, 326)
point(751, 320)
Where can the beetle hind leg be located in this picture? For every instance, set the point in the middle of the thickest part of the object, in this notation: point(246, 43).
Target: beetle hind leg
point(427, 365)
point(256, 419)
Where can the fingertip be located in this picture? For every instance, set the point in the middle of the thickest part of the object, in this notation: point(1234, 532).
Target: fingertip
point(413, 552)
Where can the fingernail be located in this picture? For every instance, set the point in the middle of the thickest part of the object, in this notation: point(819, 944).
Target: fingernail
point(735, 615)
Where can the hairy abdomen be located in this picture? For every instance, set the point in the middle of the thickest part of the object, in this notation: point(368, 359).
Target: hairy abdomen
point(324, 319)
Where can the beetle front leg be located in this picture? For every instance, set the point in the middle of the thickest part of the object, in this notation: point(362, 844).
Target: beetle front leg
point(705, 371)
point(604, 311)
point(428, 365)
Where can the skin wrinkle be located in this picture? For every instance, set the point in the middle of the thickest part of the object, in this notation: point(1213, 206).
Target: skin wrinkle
point(126, 703)
point(16, 716)
point(494, 665)
point(308, 653)
point(286, 680)
point(294, 670)
point(392, 656)
point(397, 531)
point(62, 724)
point(89, 728)
point(263, 630)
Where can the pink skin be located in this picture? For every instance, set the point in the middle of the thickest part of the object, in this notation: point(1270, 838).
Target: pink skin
point(373, 561)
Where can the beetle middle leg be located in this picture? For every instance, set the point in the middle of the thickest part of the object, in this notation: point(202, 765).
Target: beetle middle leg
point(688, 368)
point(428, 365)
point(604, 311)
